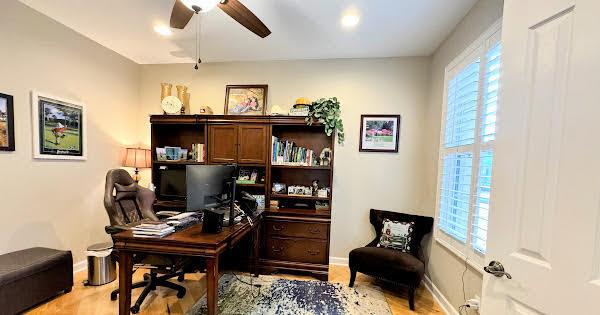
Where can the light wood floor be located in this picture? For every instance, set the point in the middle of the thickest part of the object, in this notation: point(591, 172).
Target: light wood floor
point(96, 300)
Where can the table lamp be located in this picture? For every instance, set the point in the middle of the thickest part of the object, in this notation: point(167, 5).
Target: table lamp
point(138, 158)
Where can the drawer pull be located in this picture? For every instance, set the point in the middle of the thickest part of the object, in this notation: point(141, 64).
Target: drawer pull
point(277, 250)
point(277, 228)
point(314, 230)
point(314, 252)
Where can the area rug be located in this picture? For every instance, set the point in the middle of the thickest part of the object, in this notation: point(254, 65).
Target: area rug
point(278, 296)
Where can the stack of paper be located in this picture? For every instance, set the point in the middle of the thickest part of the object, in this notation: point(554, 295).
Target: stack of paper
point(152, 229)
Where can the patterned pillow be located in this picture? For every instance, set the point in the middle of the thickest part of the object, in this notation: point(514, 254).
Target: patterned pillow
point(396, 235)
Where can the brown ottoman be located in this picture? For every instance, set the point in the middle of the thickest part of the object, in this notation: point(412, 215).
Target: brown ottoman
point(31, 276)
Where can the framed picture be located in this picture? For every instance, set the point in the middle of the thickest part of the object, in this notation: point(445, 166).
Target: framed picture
point(7, 123)
point(246, 99)
point(59, 128)
point(379, 133)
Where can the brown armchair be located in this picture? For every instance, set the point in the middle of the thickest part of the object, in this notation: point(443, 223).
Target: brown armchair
point(391, 265)
point(127, 203)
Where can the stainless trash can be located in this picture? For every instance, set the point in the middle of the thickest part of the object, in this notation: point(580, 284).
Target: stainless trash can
point(101, 266)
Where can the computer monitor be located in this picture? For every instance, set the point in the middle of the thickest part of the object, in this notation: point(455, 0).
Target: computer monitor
point(210, 186)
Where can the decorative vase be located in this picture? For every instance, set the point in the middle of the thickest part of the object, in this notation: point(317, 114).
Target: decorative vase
point(181, 91)
point(186, 103)
point(165, 90)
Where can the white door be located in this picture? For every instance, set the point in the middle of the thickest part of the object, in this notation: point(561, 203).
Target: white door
point(545, 206)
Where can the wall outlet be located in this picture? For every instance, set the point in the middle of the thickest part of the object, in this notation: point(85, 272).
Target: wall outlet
point(474, 303)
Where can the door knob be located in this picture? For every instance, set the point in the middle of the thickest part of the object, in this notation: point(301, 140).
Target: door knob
point(497, 269)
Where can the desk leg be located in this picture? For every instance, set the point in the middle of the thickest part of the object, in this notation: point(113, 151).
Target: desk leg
point(255, 251)
point(125, 273)
point(212, 285)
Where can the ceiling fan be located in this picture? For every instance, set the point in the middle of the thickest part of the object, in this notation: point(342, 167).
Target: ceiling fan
point(184, 10)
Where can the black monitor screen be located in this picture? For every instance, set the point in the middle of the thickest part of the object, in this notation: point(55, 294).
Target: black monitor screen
point(206, 184)
point(172, 183)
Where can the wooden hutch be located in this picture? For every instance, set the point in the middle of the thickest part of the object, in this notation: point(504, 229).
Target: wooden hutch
point(295, 236)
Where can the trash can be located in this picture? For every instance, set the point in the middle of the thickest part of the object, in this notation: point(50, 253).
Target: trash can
point(101, 266)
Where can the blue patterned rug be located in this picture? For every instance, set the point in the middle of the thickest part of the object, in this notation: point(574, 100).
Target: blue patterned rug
point(278, 296)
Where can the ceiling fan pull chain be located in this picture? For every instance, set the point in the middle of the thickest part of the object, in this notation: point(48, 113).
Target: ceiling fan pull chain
point(198, 32)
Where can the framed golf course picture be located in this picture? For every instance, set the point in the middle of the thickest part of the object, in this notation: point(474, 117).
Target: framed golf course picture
point(59, 128)
point(379, 133)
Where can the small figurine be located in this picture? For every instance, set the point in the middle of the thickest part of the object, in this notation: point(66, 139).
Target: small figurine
point(315, 187)
point(325, 157)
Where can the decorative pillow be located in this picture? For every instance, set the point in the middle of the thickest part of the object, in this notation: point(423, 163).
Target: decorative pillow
point(125, 191)
point(396, 235)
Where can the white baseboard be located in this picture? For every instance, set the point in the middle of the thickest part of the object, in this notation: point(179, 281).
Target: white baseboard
point(338, 261)
point(441, 300)
point(80, 266)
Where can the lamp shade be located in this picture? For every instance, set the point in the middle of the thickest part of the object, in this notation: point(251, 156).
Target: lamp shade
point(138, 158)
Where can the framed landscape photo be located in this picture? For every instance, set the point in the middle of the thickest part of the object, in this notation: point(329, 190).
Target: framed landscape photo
point(379, 133)
point(59, 128)
point(246, 99)
point(7, 123)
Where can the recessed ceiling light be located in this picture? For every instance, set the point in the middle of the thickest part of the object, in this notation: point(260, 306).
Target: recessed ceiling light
point(163, 30)
point(350, 20)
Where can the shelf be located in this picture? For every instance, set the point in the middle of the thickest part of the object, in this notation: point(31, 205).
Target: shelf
point(178, 163)
point(282, 196)
point(251, 185)
point(302, 167)
point(296, 211)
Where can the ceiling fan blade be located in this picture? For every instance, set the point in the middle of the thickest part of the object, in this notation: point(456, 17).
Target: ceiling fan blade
point(181, 15)
point(240, 13)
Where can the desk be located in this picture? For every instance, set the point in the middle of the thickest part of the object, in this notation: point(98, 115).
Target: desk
point(188, 242)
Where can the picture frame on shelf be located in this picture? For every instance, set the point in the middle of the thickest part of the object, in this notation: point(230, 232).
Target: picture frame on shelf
point(59, 128)
point(246, 99)
point(379, 133)
point(7, 123)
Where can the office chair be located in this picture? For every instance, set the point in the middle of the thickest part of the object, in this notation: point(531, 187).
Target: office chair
point(127, 203)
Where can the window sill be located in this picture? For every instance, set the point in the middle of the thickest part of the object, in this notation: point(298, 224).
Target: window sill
point(460, 255)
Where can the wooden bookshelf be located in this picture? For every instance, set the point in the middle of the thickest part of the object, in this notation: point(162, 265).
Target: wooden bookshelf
point(295, 231)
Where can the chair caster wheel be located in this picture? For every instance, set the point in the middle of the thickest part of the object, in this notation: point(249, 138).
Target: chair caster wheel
point(113, 296)
point(180, 278)
point(135, 309)
point(181, 294)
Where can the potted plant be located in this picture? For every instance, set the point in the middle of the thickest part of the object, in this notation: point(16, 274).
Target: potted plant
point(327, 112)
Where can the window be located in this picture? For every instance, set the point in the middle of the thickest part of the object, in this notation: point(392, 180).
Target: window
point(467, 146)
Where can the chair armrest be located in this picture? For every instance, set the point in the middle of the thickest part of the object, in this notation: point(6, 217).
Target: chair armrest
point(114, 229)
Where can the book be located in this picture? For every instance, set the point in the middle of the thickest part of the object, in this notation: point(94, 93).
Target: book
point(286, 152)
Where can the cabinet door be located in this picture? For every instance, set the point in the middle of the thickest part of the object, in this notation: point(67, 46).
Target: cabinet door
point(222, 144)
point(252, 143)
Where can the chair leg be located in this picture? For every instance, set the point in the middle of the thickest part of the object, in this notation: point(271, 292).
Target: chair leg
point(136, 308)
point(115, 293)
point(411, 299)
point(352, 277)
point(167, 284)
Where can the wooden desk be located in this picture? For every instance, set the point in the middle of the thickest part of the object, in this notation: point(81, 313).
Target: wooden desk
point(188, 242)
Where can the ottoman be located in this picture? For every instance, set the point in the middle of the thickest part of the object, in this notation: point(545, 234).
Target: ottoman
point(31, 276)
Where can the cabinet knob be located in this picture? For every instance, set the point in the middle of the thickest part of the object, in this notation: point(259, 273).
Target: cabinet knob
point(277, 228)
point(277, 250)
point(314, 230)
point(313, 252)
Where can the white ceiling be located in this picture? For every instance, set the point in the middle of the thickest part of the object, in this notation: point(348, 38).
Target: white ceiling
point(301, 29)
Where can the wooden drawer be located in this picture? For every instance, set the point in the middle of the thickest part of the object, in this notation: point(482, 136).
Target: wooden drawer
point(300, 250)
point(297, 229)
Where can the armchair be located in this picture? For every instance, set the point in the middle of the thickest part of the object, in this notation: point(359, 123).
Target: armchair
point(127, 203)
point(391, 265)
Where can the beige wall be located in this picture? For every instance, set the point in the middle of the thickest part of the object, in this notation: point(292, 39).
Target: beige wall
point(364, 86)
point(59, 203)
point(445, 269)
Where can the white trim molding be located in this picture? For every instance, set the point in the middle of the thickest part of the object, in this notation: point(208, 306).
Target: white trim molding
point(340, 261)
point(80, 266)
point(439, 298)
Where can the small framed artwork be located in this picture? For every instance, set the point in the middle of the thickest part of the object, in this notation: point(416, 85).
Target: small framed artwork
point(59, 128)
point(379, 133)
point(246, 99)
point(7, 121)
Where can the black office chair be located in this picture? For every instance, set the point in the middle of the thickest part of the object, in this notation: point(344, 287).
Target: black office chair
point(127, 203)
